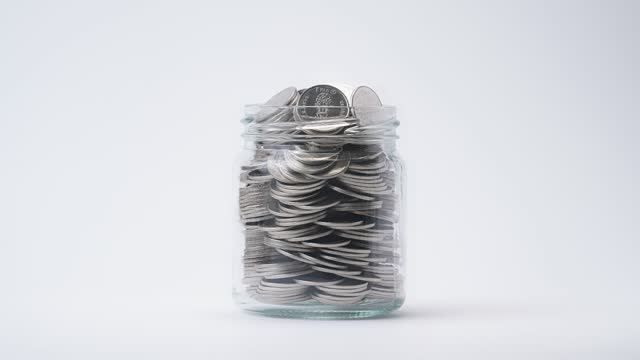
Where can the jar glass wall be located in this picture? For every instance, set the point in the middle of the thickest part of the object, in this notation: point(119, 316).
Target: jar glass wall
point(320, 214)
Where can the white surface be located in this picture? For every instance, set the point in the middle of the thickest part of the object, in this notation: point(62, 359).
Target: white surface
point(118, 125)
point(130, 328)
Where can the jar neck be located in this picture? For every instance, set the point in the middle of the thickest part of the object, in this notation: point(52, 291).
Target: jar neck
point(288, 128)
point(271, 144)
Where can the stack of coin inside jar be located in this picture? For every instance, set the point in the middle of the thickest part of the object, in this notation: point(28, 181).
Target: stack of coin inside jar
point(319, 199)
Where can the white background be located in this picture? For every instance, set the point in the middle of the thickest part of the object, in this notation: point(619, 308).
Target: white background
point(119, 124)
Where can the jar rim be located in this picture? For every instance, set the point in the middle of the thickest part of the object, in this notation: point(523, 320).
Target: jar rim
point(255, 114)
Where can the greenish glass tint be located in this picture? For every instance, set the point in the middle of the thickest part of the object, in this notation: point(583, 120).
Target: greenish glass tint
point(316, 311)
point(320, 205)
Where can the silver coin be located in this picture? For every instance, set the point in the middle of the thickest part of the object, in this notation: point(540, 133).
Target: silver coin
point(316, 154)
point(338, 168)
point(375, 294)
point(267, 271)
point(353, 250)
point(282, 275)
point(272, 106)
point(280, 291)
point(370, 171)
point(345, 297)
point(314, 157)
point(306, 199)
point(371, 165)
point(354, 206)
point(303, 168)
point(376, 247)
point(357, 156)
point(294, 256)
point(350, 193)
point(371, 279)
point(285, 245)
point(278, 194)
point(322, 102)
point(335, 271)
point(382, 230)
point(340, 224)
point(348, 176)
point(358, 236)
point(306, 210)
point(311, 236)
point(281, 283)
point(323, 205)
point(319, 279)
point(298, 188)
point(285, 211)
point(326, 126)
point(344, 292)
point(366, 225)
point(349, 284)
point(380, 214)
point(298, 221)
point(379, 269)
point(327, 243)
point(336, 251)
point(345, 261)
point(381, 288)
point(257, 219)
point(289, 232)
point(255, 176)
point(318, 261)
point(367, 105)
point(367, 185)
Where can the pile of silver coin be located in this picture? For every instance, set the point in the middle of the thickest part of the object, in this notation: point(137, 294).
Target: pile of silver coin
point(318, 200)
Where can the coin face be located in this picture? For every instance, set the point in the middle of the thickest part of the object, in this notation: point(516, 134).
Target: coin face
point(322, 102)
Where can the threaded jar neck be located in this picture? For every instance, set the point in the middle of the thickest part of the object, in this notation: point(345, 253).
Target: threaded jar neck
point(284, 126)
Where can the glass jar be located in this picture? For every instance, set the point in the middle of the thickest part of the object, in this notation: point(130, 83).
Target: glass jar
point(320, 222)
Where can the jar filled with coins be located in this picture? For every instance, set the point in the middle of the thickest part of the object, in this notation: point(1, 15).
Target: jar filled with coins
point(320, 193)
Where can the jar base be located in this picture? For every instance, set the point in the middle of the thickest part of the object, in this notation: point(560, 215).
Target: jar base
point(364, 311)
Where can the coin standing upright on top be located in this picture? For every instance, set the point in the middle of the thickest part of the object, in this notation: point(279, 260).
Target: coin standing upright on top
point(322, 102)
